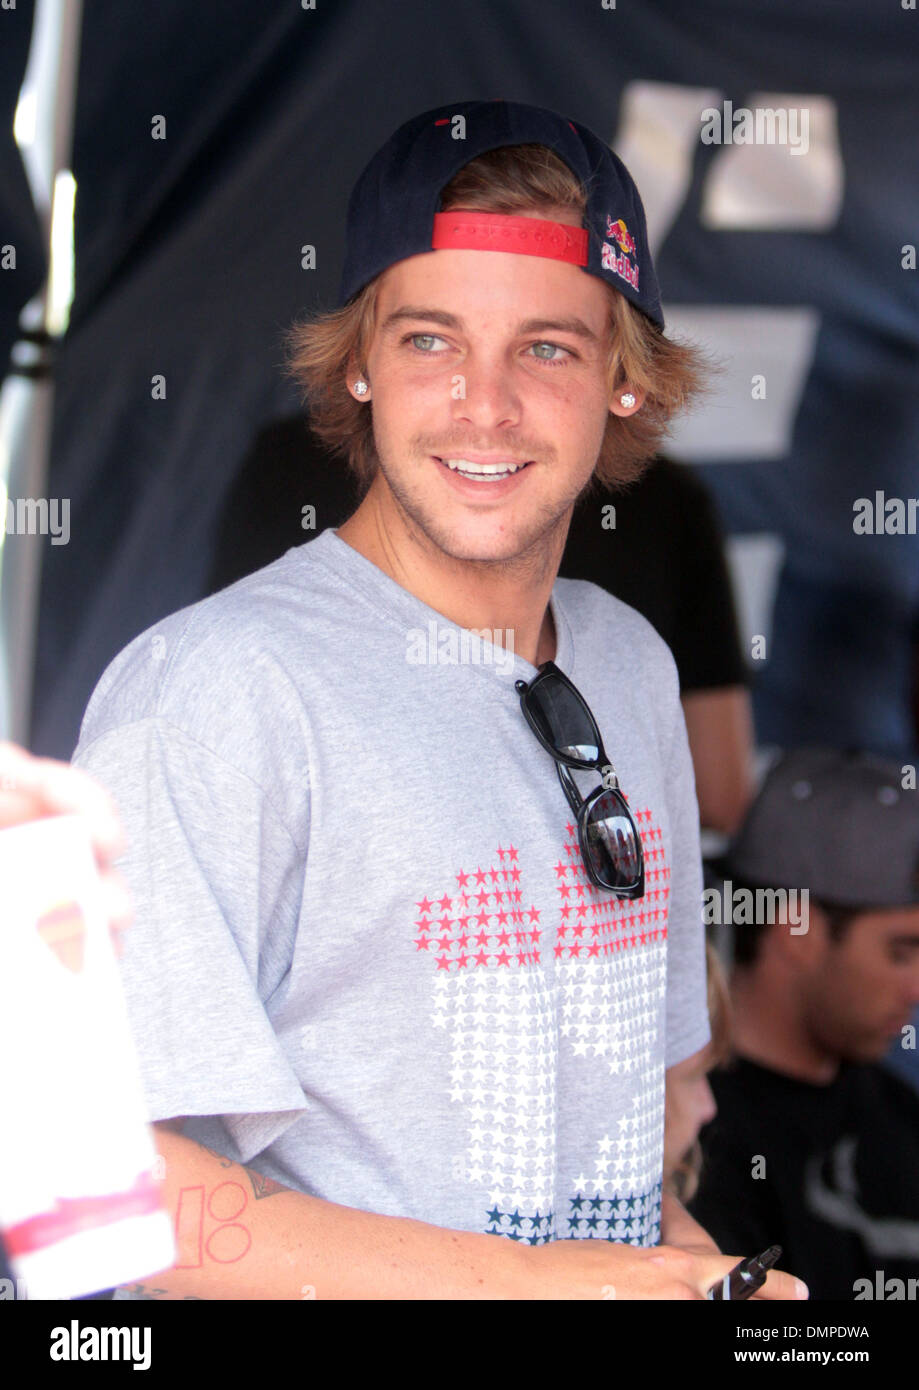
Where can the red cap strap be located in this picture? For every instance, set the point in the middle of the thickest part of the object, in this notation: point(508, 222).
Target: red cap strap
point(495, 231)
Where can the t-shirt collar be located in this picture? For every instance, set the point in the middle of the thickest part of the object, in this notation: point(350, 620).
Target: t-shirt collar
point(353, 565)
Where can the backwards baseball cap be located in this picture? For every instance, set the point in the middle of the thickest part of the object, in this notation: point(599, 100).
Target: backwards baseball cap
point(393, 211)
point(839, 824)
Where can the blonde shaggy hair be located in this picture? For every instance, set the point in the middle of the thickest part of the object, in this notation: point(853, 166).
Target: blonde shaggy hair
point(514, 179)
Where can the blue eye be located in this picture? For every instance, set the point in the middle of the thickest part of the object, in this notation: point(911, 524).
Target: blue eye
point(424, 343)
point(554, 347)
point(416, 338)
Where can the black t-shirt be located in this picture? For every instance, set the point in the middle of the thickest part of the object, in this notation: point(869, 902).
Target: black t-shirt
point(664, 557)
point(839, 1189)
point(285, 470)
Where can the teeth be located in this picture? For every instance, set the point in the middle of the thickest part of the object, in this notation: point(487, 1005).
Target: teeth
point(482, 469)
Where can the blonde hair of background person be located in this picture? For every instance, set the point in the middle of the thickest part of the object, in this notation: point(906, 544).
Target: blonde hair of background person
point(690, 1103)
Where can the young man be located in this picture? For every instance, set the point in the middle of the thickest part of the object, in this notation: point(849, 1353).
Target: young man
point(381, 954)
point(815, 1146)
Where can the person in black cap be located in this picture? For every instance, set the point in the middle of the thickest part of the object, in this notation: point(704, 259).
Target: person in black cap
point(413, 949)
point(815, 1146)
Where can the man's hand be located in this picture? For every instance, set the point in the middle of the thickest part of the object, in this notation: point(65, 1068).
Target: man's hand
point(33, 788)
point(680, 1229)
point(570, 1269)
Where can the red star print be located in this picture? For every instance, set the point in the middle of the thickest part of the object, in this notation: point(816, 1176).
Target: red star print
point(611, 924)
point(605, 913)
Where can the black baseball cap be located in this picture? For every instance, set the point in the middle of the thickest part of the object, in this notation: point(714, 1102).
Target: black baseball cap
point(393, 206)
point(838, 823)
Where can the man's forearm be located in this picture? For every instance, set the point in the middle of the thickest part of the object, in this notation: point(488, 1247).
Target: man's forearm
point(242, 1236)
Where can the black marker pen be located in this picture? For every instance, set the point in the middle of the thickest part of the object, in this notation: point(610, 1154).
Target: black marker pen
point(744, 1279)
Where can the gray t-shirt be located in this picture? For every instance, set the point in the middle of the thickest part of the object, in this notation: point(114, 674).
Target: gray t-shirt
point(366, 954)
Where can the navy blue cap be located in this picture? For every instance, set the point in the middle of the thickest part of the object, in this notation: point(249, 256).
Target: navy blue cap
point(837, 823)
point(392, 206)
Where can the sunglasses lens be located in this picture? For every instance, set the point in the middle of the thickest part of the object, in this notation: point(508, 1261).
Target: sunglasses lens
point(612, 842)
point(564, 720)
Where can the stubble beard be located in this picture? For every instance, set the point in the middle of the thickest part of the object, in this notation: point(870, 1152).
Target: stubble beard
point(530, 555)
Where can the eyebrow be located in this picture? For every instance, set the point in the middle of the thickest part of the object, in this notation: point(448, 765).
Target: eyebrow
point(572, 325)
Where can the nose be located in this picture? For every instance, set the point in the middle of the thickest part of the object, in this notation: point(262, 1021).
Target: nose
point(485, 395)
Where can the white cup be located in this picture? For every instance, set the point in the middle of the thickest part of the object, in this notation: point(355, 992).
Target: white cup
point(80, 1205)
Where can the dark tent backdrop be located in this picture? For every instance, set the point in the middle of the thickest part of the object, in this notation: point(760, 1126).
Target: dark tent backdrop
point(188, 266)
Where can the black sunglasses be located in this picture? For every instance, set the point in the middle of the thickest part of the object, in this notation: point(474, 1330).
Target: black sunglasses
point(609, 839)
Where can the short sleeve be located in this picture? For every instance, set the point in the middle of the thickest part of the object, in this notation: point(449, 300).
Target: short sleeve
point(216, 883)
point(688, 1028)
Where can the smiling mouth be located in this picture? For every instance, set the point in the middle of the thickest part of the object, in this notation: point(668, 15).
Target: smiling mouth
point(483, 472)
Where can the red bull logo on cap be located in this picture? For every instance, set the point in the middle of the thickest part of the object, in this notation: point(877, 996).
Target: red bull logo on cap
point(620, 232)
point(620, 264)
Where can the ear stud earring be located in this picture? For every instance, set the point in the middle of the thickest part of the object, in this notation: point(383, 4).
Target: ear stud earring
point(627, 399)
point(360, 388)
